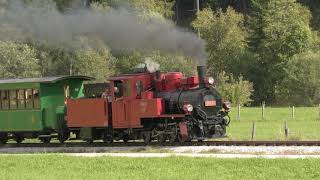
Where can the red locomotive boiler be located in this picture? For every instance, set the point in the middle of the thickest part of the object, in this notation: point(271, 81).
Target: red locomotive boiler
point(150, 106)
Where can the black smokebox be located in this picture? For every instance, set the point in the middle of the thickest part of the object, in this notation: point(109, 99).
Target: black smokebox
point(202, 70)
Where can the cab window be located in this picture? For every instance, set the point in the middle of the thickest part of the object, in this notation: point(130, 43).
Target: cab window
point(139, 87)
point(118, 89)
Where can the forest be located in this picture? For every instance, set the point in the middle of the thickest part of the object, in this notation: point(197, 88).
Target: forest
point(257, 50)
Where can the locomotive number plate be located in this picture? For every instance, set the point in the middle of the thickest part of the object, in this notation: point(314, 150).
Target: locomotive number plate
point(210, 103)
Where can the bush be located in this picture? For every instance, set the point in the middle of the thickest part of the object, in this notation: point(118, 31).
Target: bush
point(236, 91)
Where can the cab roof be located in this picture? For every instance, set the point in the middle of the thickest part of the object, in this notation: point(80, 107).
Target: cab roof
point(46, 80)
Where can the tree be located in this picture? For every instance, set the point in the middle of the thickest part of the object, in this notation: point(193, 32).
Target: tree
point(18, 60)
point(226, 40)
point(144, 8)
point(280, 31)
point(88, 56)
point(90, 62)
point(302, 83)
point(314, 6)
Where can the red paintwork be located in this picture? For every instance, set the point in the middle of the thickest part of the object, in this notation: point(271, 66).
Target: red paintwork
point(183, 131)
point(128, 110)
point(171, 81)
point(128, 113)
point(87, 113)
point(147, 95)
point(119, 114)
point(210, 103)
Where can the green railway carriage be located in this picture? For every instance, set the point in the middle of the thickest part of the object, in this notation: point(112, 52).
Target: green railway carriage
point(30, 107)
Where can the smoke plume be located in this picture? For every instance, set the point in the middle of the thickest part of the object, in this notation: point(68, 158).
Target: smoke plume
point(120, 29)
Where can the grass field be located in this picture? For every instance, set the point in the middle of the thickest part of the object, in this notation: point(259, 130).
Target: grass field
point(304, 126)
point(53, 167)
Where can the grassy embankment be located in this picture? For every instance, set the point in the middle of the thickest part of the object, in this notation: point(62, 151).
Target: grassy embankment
point(304, 126)
point(52, 167)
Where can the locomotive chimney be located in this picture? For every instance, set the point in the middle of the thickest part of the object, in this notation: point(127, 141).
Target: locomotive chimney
point(202, 76)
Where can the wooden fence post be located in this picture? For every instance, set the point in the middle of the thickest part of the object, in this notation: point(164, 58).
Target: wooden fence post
point(319, 112)
point(238, 112)
point(286, 129)
point(253, 132)
point(292, 112)
point(263, 109)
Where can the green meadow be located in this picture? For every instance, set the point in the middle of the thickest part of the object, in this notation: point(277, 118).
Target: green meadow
point(304, 126)
point(62, 167)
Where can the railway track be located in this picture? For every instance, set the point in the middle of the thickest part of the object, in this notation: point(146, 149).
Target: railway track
point(194, 143)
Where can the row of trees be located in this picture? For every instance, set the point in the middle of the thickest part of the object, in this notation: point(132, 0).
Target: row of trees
point(273, 45)
point(258, 50)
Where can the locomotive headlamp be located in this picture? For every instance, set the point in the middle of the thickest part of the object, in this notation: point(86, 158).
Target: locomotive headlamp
point(227, 105)
point(211, 80)
point(188, 108)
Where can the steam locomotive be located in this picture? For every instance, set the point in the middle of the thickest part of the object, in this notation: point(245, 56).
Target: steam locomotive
point(152, 106)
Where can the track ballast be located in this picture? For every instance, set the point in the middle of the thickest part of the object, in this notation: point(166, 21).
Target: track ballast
point(194, 143)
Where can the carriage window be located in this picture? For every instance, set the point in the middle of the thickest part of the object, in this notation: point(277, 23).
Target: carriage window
point(21, 99)
point(29, 98)
point(36, 98)
point(13, 99)
point(4, 99)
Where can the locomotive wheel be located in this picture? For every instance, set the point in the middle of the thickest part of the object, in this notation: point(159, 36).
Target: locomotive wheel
point(19, 139)
point(107, 139)
point(45, 140)
point(146, 137)
point(89, 141)
point(161, 138)
point(180, 140)
point(62, 138)
point(125, 138)
point(172, 138)
point(3, 138)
